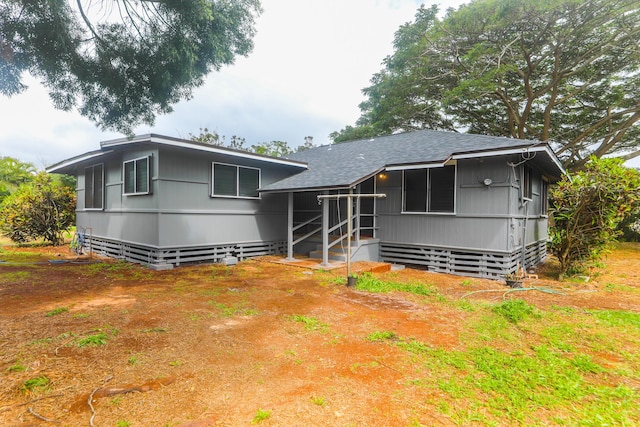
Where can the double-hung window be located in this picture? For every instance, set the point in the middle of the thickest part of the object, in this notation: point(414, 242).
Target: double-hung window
point(526, 184)
point(235, 181)
point(429, 190)
point(136, 176)
point(94, 187)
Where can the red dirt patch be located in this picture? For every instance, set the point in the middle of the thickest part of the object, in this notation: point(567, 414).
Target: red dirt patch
point(210, 345)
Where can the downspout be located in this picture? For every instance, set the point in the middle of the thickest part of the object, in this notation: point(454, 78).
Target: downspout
point(525, 204)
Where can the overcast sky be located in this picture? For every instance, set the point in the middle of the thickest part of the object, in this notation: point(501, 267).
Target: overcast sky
point(304, 78)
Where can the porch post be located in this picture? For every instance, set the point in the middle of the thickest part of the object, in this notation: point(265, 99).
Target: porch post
point(290, 227)
point(349, 229)
point(357, 227)
point(325, 230)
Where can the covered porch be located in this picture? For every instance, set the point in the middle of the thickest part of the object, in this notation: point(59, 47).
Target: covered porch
point(333, 225)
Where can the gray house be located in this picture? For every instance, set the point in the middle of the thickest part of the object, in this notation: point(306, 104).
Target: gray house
point(457, 203)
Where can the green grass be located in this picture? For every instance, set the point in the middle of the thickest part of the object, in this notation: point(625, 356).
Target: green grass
point(56, 311)
point(370, 283)
point(233, 310)
point(318, 400)
point(260, 416)
point(617, 318)
point(516, 362)
point(310, 323)
point(118, 270)
point(14, 276)
point(515, 385)
point(16, 367)
point(382, 336)
point(93, 340)
point(515, 310)
point(36, 384)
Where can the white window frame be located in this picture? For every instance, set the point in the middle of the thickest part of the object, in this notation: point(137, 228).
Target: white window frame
point(93, 192)
point(135, 174)
point(236, 196)
point(427, 210)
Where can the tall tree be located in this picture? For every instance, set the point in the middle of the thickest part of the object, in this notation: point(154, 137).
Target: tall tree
point(120, 62)
point(14, 173)
point(563, 71)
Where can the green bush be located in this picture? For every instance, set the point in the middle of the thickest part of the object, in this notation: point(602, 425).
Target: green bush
point(586, 209)
point(43, 208)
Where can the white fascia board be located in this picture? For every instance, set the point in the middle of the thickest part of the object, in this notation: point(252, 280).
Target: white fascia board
point(416, 166)
point(521, 150)
point(76, 160)
point(157, 139)
point(492, 153)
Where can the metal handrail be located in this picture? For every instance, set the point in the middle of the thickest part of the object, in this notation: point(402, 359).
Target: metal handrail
point(307, 235)
point(315, 218)
point(332, 229)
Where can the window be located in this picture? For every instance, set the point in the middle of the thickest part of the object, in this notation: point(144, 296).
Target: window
point(235, 181)
point(544, 198)
point(93, 187)
point(526, 189)
point(136, 176)
point(429, 190)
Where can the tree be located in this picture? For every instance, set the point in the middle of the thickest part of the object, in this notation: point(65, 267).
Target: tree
point(272, 148)
point(586, 209)
point(562, 71)
point(121, 62)
point(43, 208)
point(13, 173)
point(308, 144)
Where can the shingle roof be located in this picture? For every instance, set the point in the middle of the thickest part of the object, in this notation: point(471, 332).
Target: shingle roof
point(346, 164)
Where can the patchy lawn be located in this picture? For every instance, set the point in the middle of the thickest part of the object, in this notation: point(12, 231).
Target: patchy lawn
point(266, 344)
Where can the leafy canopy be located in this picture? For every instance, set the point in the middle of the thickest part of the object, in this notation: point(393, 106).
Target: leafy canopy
point(586, 209)
point(43, 208)
point(14, 173)
point(120, 62)
point(563, 71)
point(272, 148)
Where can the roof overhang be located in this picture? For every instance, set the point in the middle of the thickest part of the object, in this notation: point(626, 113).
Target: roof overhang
point(192, 145)
point(332, 187)
point(108, 147)
point(66, 165)
point(529, 151)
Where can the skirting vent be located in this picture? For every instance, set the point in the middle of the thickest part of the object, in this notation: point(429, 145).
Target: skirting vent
point(461, 262)
point(160, 258)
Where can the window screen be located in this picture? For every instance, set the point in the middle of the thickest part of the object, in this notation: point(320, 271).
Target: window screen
point(248, 182)
point(136, 176)
point(235, 181)
point(224, 180)
point(441, 189)
point(429, 190)
point(415, 190)
point(93, 187)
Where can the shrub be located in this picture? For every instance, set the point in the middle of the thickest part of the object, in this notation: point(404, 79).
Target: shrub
point(43, 208)
point(586, 209)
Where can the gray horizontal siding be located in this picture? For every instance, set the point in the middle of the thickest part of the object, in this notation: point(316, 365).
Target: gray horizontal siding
point(447, 231)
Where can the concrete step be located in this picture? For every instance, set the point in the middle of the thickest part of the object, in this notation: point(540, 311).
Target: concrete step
point(333, 256)
point(338, 248)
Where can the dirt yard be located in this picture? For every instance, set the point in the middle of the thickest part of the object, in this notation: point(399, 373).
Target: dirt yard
point(115, 344)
